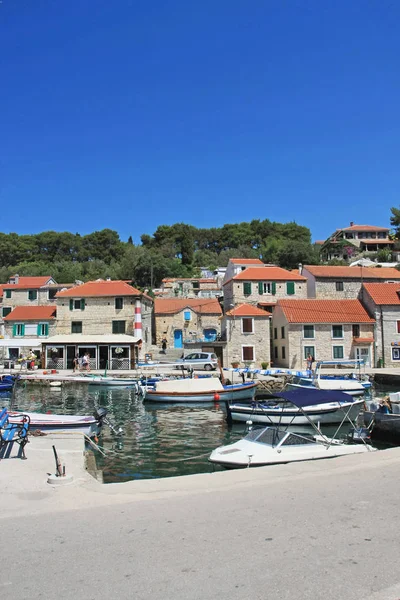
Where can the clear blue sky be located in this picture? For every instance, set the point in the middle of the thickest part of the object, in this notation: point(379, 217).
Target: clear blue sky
point(130, 114)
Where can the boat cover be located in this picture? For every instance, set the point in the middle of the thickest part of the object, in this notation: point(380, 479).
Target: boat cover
point(310, 397)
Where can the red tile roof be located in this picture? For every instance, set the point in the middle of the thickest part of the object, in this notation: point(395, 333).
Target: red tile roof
point(247, 310)
point(28, 283)
point(360, 340)
point(363, 228)
point(333, 272)
point(246, 261)
point(267, 274)
point(99, 289)
point(324, 311)
point(32, 313)
point(384, 293)
point(165, 306)
point(1, 289)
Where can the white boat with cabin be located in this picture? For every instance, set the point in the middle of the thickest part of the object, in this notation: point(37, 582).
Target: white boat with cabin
point(355, 384)
point(207, 389)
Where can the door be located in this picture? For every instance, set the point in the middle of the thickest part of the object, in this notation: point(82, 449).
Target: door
point(71, 352)
point(178, 338)
point(362, 353)
point(103, 357)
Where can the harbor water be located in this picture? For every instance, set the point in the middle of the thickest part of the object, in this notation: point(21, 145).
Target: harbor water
point(157, 441)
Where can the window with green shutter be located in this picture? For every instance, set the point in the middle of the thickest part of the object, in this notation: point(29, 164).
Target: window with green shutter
point(18, 329)
point(6, 310)
point(338, 352)
point(32, 294)
point(8, 293)
point(119, 303)
point(290, 288)
point(43, 329)
point(118, 326)
point(71, 304)
point(273, 288)
point(82, 304)
point(76, 327)
point(260, 288)
point(247, 288)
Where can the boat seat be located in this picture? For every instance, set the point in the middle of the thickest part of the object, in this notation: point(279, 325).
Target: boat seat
point(396, 409)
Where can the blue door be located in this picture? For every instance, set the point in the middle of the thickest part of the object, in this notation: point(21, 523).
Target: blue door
point(178, 338)
point(210, 335)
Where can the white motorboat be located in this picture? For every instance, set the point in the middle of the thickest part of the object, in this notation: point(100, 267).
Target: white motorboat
point(207, 389)
point(352, 383)
point(90, 425)
point(279, 409)
point(271, 445)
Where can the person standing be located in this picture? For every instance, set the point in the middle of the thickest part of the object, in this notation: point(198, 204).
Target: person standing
point(164, 345)
point(86, 362)
point(310, 360)
point(75, 363)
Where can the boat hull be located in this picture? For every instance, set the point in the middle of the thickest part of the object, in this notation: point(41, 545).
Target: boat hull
point(358, 391)
point(52, 423)
point(323, 414)
point(384, 425)
point(229, 393)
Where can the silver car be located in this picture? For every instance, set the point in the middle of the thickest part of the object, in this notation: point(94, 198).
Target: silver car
point(199, 360)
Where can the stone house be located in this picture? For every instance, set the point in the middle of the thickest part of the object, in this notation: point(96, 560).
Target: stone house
point(203, 287)
point(327, 329)
point(359, 238)
point(186, 321)
point(246, 330)
point(25, 328)
point(382, 300)
point(237, 265)
point(336, 282)
point(28, 291)
point(263, 286)
point(110, 320)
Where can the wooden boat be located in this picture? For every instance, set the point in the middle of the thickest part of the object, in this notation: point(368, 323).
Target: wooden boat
point(279, 410)
point(90, 425)
point(208, 389)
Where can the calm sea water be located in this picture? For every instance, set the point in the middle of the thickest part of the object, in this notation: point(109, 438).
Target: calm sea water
point(158, 441)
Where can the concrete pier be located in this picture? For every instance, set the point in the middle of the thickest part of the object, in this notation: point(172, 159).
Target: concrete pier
point(322, 529)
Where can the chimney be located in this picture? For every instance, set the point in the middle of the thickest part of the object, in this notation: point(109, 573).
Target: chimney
point(351, 223)
point(16, 278)
point(108, 278)
point(300, 269)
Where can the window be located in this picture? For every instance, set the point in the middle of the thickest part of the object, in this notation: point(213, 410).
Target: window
point(247, 288)
point(273, 288)
point(119, 303)
point(264, 288)
point(339, 286)
point(247, 352)
point(187, 315)
point(118, 326)
point(196, 285)
point(32, 294)
point(6, 310)
point(309, 350)
point(283, 332)
point(290, 288)
point(77, 304)
point(337, 331)
point(76, 327)
point(276, 352)
point(283, 352)
point(18, 330)
point(8, 293)
point(356, 330)
point(247, 325)
point(52, 294)
point(43, 329)
point(397, 323)
point(275, 333)
point(308, 332)
point(395, 353)
point(337, 352)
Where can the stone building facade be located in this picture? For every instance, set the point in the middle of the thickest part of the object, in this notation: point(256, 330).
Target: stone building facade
point(246, 330)
point(190, 288)
point(382, 300)
point(327, 329)
point(25, 329)
point(337, 282)
point(263, 286)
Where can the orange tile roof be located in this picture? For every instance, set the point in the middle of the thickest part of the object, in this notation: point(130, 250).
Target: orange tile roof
point(99, 289)
point(199, 279)
point(25, 283)
point(32, 313)
point(363, 228)
point(246, 261)
point(247, 310)
point(268, 274)
point(384, 293)
point(324, 311)
point(165, 306)
point(337, 272)
point(1, 289)
point(360, 340)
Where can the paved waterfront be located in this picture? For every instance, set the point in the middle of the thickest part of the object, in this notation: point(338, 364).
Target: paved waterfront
point(327, 529)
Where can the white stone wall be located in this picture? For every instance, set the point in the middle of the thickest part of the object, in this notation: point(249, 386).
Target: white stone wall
point(236, 339)
point(294, 342)
point(20, 298)
point(233, 293)
point(385, 331)
point(165, 325)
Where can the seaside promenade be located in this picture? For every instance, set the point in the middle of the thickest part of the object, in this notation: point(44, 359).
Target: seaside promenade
point(323, 529)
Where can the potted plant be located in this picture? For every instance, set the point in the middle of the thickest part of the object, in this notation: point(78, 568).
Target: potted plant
point(264, 365)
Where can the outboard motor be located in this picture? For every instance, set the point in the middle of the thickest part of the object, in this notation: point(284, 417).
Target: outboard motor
point(100, 414)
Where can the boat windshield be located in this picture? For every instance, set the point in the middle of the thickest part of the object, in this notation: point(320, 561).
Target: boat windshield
point(269, 436)
point(295, 440)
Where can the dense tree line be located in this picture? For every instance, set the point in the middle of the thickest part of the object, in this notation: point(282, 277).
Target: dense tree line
point(172, 251)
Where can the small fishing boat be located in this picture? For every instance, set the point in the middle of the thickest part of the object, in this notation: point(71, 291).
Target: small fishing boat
point(278, 409)
point(208, 389)
point(7, 382)
point(355, 384)
point(383, 417)
point(272, 445)
point(90, 425)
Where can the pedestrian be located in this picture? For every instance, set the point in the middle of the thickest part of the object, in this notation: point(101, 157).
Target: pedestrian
point(75, 363)
point(310, 360)
point(164, 345)
point(86, 362)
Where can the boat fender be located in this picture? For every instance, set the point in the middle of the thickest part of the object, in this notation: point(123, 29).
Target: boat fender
point(217, 397)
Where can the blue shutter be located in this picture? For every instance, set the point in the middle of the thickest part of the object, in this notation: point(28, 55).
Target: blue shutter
point(39, 329)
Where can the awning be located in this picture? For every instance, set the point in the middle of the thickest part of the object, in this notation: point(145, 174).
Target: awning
point(82, 339)
point(311, 397)
point(20, 342)
point(360, 340)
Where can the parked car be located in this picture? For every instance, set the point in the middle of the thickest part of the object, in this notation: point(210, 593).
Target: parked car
point(199, 360)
